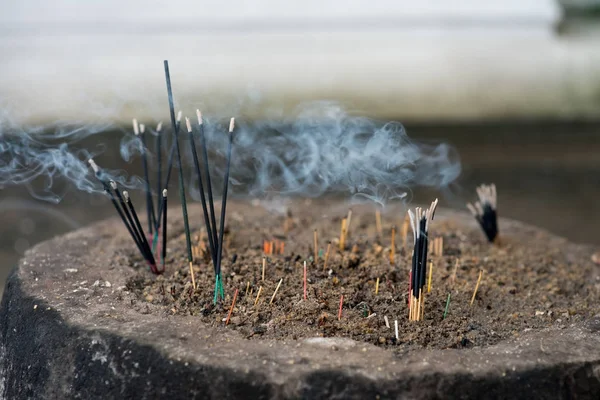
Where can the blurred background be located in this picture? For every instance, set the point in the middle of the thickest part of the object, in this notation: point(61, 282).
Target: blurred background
point(514, 86)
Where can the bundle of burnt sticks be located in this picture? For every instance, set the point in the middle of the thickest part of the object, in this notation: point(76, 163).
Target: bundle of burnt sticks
point(484, 211)
point(419, 222)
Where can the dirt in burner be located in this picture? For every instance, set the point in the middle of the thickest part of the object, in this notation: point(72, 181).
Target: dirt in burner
point(526, 284)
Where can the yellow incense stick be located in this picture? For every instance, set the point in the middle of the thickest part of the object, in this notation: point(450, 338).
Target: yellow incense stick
point(476, 287)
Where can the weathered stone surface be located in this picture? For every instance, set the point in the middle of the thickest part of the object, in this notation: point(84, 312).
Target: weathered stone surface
point(69, 330)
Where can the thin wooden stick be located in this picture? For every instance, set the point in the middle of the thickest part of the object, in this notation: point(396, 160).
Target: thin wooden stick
point(275, 292)
point(257, 296)
point(476, 287)
point(232, 305)
point(316, 244)
point(348, 220)
point(430, 273)
point(405, 226)
point(247, 289)
point(387, 322)
point(396, 330)
point(343, 235)
point(453, 276)
point(340, 310)
point(327, 256)
point(304, 280)
point(264, 264)
point(393, 246)
point(378, 223)
point(377, 286)
point(447, 306)
point(192, 275)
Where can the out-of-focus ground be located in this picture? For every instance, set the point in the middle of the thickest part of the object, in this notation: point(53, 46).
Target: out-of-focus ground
point(547, 174)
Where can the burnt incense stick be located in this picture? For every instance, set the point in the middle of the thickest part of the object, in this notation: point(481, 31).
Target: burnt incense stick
point(232, 305)
point(164, 228)
point(327, 255)
point(315, 246)
point(304, 280)
point(180, 165)
point(476, 287)
point(207, 223)
point(275, 292)
point(223, 209)
point(484, 211)
point(208, 181)
point(378, 223)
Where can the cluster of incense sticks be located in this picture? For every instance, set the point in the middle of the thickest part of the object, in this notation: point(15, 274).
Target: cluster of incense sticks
point(417, 278)
point(484, 210)
point(126, 210)
point(271, 247)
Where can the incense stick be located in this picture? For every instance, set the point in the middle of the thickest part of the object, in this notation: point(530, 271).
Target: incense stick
point(138, 226)
point(378, 223)
point(158, 151)
point(211, 203)
point(264, 263)
point(396, 330)
point(343, 234)
point(447, 306)
point(224, 205)
point(348, 220)
point(430, 273)
point(327, 256)
point(476, 287)
point(377, 286)
point(341, 305)
point(304, 280)
point(139, 131)
point(257, 296)
point(232, 305)
point(164, 228)
point(207, 223)
point(186, 222)
point(275, 292)
point(315, 245)
point(485, 212)
point(393, 246)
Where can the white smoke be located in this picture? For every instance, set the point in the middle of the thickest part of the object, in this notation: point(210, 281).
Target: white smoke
point(321, 149)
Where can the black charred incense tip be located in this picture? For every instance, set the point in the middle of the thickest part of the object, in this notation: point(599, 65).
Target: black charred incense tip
point(484, 211)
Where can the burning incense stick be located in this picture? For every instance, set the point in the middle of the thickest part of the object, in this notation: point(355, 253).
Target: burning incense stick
point(264, 264)
point(223, 209)
point(484, 211)
point(341, 305)
point(275, 292)
point(139, 131)
point(208, 181)
point(315, 245)
point(378, 223)
point(327, 256)
point(138, 226)
point(304, 280)
point(476, 287)
point(207, 223)
point(232, 305)
point(130, 228)
point(158, 151)
point(186, 222)
point(164, 228)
